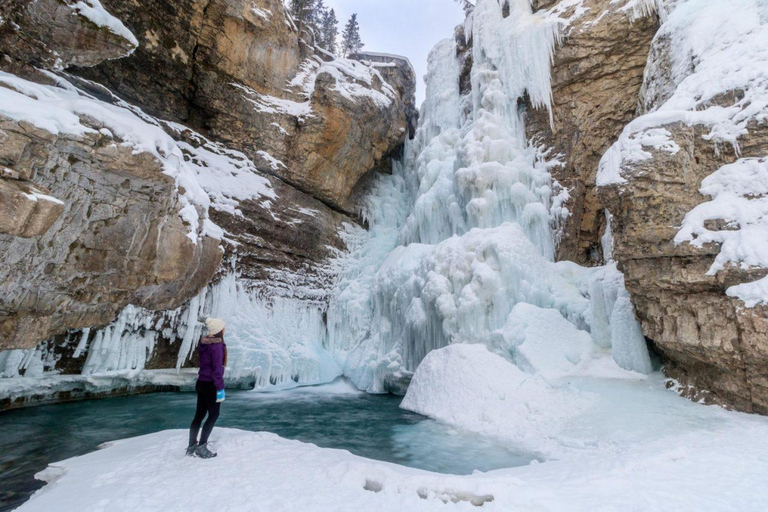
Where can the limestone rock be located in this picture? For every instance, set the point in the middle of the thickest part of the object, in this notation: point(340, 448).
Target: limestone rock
point(237, 76)
point(61, 33)
point(711, 341)
point(651, 181)
point(240, 72)
point(596, 77)
point(25, 210)
point(112, 236)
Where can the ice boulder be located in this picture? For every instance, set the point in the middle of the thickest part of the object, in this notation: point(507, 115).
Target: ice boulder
point(472, 388)
point(542, 341)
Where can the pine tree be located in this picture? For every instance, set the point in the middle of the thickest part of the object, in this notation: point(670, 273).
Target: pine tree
point(329, 31)
point(302, 10)
point(351, 42)
point(310, 14)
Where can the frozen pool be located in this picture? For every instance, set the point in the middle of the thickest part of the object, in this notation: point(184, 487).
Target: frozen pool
point(333, 416)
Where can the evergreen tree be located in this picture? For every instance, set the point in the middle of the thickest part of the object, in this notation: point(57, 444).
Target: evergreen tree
point(329, 31)
point(309, 13)
point(351, 42)
point(302, 10)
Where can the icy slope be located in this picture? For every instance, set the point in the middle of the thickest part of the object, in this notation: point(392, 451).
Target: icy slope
point(717, 469)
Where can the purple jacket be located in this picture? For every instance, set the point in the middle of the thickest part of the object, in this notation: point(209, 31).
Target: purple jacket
point(212, 353)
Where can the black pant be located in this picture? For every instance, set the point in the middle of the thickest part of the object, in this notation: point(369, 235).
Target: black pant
point(206, 404)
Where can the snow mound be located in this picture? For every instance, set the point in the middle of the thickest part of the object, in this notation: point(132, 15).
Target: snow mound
point(468, 386)
point(543, 342)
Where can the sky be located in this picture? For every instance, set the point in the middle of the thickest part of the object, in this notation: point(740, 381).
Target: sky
point(403, 27)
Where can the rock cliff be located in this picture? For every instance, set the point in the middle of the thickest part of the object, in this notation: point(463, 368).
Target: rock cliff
point(597, 72)
point(634, 90)
point(91, 221)
point(685, 185)
point(241, 73)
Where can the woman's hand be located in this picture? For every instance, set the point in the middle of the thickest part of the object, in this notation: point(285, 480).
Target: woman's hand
point(220, 396)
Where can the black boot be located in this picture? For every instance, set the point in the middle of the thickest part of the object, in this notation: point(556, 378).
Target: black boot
point(191, 449)
point(203, 452)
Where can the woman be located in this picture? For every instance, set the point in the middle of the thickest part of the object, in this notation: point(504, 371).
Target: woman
point(210, 386)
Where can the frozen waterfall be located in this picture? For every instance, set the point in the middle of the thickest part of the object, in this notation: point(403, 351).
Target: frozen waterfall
point(472, 258)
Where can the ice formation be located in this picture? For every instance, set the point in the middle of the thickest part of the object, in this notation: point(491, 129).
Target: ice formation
point(472, 260)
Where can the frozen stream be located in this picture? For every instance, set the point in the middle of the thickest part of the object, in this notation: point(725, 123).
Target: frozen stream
point(332, 416)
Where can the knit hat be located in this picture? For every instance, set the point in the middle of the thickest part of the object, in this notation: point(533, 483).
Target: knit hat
point(214, 325)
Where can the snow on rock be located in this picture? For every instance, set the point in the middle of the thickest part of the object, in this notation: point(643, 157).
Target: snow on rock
point(227, 176)
point(739, 193)
point(348, 75)
point(273, 105)
point(708, 50)
point(67, 110)
point(265, 14)
point(714, 47)
point(96, 14)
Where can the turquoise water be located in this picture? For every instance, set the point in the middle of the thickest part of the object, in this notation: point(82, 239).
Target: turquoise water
point(331, 416)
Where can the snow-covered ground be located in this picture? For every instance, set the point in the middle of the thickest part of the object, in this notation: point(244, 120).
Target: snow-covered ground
point(626, 445)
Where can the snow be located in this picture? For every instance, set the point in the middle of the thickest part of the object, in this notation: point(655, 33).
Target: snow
point(469, 387)
point(96, 14)
point(62, 110)
point(542, 342)
point(706, 49)
point(227, 176)
point(274, 163)
point(32, 388)
point(35, 195)
point(738, 193)
point(388, 56)
point(348, 75)
point(273, 105)
point(262, 13)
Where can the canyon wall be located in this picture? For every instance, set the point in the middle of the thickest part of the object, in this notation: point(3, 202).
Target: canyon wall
point(685, 183)
point(646, 127)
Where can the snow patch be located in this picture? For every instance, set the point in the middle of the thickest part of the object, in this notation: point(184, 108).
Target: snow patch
point(94, 12)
